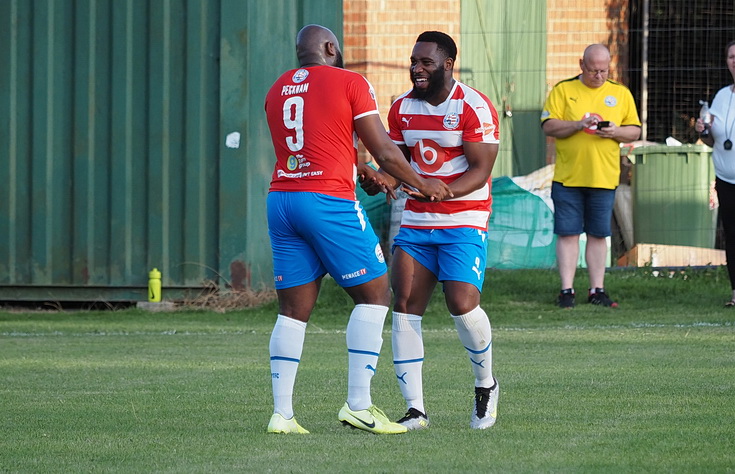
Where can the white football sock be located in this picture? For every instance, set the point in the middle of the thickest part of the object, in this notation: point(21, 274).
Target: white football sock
point(364, 340)
point(287, 342)
point(408, 358)
point(476, 336)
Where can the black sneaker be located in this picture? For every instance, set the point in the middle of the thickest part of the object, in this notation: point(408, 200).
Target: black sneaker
point(414, 420)
point(599, 297)
point(566, 298)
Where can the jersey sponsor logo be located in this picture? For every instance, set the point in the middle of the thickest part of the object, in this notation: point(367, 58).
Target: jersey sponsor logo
point(451, 121)
point(486, 128)
point(278, 278)
point(407, 120)
point(429, 155)
point(300, 174)
point(297, 162)
point(349, 276)
point(291, 89)
point(300, 76)
point(545, 114)
point(611, 101)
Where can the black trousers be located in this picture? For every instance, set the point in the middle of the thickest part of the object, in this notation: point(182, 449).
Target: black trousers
point(726, 197)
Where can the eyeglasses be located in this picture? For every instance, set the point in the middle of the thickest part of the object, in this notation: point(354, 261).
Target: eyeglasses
point(594, 72)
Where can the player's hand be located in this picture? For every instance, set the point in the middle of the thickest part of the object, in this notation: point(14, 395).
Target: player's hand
point(433, 190)
point(374, 182)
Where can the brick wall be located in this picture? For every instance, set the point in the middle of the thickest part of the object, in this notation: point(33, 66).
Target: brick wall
point(379, 36)
point(572, 25)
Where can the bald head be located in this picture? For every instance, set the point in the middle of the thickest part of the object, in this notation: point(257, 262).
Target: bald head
point(595, 52)
point(595, 65)
point(317, 45)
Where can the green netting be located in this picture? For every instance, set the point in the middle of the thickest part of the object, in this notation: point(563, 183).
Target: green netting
point(521, 229)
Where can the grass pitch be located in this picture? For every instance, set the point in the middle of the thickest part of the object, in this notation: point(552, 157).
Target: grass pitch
point(647, 387)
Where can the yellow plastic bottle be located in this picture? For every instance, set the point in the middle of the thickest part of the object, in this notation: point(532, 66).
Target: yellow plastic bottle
point(154, 286)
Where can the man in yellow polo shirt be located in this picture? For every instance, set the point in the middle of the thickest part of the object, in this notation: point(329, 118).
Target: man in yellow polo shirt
point(589, 116)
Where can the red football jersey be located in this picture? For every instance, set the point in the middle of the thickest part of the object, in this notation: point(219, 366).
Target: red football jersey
point(311, 113)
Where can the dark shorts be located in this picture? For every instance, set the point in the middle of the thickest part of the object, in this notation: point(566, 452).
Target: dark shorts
point(582, 210)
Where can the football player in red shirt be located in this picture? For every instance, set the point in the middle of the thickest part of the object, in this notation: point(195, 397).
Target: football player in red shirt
point(315, 115)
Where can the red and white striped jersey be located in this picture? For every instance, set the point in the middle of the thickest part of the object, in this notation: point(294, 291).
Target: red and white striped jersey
point(435, 137)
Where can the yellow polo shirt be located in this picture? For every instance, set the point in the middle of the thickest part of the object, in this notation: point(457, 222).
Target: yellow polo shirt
point(584, 159)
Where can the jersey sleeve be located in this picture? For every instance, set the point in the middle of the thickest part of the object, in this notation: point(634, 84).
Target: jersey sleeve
point(394, 124)
point(362, 97)
point(631, 113)
point(481, 120)
point(554, 106)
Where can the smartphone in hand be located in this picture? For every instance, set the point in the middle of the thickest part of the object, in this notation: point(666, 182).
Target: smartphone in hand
point(603, 124)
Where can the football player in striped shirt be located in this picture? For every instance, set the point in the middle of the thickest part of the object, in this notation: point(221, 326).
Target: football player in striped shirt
point(447, 130)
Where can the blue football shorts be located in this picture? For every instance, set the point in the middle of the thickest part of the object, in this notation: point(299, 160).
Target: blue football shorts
point(313, 234)
point(578, 210)
point(456, 254)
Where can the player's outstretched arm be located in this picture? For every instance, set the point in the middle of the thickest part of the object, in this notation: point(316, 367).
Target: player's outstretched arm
point(372, 133)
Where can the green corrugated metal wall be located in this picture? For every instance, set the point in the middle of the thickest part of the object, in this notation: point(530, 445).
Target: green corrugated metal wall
point(114, 148)
point(257, 46)
point(113, 142)
point(503, 54)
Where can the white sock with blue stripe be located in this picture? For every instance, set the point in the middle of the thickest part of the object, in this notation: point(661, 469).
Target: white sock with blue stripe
point(408, 358)
point(364, 340)
point(476, 336)
point(287, 342)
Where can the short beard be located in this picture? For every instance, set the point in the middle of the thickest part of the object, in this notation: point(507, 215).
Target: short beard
point(436, 84)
